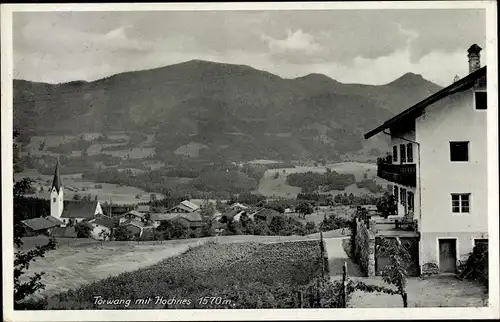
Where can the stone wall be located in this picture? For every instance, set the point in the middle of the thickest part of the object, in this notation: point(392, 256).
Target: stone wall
point(365, 247)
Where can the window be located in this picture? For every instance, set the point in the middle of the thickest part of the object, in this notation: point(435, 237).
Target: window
point(478, 242)
point(460, 202)
point(395, 153)
point(480, 100)
point(402, 149)
point(411, 200)
point(409, 152)
point(396, 193)
point(402, 196)
point(459, 151)
point(54, 199)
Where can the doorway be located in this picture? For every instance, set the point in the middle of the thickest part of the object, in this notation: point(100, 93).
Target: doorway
point(447, 255)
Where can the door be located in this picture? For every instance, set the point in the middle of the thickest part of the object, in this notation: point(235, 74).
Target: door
point(447, 255)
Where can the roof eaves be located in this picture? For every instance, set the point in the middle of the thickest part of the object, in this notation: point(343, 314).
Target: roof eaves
point(429, 100)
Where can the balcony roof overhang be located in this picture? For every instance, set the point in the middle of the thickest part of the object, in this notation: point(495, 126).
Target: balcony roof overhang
point(416, 110)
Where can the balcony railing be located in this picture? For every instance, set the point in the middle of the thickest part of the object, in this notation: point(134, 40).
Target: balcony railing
point(404, 174)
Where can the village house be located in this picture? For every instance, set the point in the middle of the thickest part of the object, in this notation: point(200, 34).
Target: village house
point(40, 225)
point(77, 211)
point(191, 220)
point(136, 227)
point(132, 215)
point(438, 169)
point(102, 226)
point(184, 207)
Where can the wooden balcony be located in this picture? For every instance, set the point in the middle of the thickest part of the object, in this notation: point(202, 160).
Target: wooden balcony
point(404, 174)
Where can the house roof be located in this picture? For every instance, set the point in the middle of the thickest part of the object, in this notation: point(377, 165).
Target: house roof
point(56, 182)
point(267, 214)
point(414, 111)
point(134, 213)
point(190, 205)
point(134, 222)
point(193, 216)
point(143, 208)
point(41, 223)
point(80, 209)
point(68, 232)
point(164, 216)
point(238, 205)
point(104, 221)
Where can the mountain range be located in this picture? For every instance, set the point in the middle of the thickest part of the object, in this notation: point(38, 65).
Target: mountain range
point(237, 111)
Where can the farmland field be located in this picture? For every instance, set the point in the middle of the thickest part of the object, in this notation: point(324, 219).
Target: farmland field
point(73, 184)
point(243, 275)
point(270, 186)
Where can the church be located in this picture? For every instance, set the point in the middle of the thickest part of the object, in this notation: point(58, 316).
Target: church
point(64, 216)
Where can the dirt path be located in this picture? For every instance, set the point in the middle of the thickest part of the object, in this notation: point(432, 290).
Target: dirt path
point(337, 256)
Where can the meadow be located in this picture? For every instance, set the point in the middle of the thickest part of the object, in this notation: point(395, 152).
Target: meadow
point(242, 275)
point(270, 186)
point(74, 184)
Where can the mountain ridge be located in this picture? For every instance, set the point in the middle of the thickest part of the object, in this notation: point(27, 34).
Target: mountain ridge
point(201, 101)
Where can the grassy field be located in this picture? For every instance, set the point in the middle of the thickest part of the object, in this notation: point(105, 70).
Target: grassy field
point(278, 187)
point(236, 272)
point(73, 184)
point(77, 262)
point(344, 212)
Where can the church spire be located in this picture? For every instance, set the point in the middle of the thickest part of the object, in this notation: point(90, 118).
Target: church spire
point(56, 182)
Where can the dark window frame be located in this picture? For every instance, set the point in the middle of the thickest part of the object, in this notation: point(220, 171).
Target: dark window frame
point(457, 155)
point(483, 101)
point(395, 153)
point(395, 192)
point(402, 152)
point(411, 200)
point(409, 152)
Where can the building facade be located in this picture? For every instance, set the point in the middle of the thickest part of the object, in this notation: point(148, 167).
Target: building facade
point(438, 168)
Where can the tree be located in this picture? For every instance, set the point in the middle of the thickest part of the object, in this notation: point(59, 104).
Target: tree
point(22, 260)
point(310, 227)
point(304, 209)
point(261, 228)
point(387, 205)
point(277, 224)
point(76, 197)
point(121, 233)
point(233, 227)
point(207, 210)
point(104, 235)
point(83, 230)
point(172, 230)
point(147, 218)
point(396, 273)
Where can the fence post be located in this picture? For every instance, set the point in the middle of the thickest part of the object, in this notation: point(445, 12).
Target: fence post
point(344, 288)
point(321, 247)
point(318, 296)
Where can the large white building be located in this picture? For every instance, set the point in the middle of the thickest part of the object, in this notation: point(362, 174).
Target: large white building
point(438, 168)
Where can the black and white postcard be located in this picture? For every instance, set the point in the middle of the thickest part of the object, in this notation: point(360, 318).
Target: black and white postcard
point(235, 161)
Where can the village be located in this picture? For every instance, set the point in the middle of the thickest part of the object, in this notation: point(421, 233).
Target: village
point(331, 172)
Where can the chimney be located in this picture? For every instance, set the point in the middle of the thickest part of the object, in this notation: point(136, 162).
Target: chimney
point(474, 58)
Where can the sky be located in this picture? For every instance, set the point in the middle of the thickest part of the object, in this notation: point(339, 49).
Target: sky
point(351, 46)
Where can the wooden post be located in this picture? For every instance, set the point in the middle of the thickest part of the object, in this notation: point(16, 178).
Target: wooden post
point(318, 296)
point(344, 288)
point(321, 247)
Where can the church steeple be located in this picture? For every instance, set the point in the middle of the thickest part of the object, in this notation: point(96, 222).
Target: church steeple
point(56, 182)
point(56, 194)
